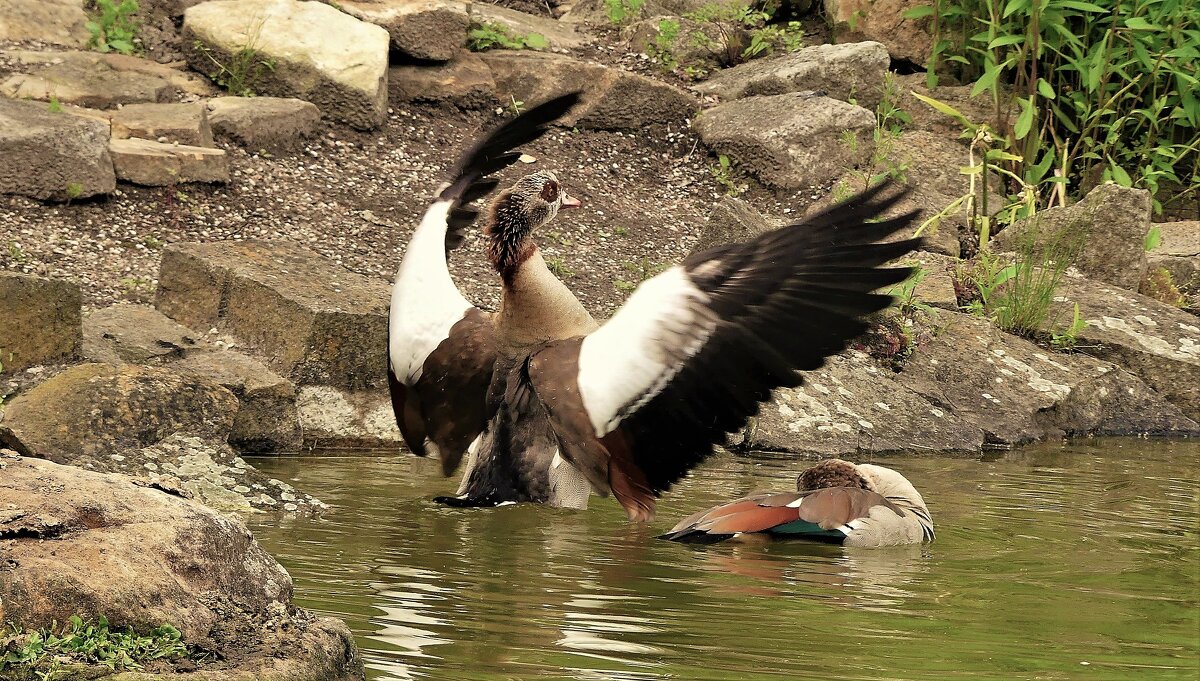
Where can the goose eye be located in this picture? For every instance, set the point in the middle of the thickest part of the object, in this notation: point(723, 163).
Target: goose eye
point(549, 191)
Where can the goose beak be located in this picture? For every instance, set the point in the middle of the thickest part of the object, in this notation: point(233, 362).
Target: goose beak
point(570, 201)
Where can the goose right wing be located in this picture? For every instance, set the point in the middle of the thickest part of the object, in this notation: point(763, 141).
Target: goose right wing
point(441, 349)
point(696, 349)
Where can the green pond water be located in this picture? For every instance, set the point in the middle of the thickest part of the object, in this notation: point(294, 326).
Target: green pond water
point(1064, 562)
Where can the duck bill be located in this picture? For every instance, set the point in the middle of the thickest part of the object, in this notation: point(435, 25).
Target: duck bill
point(571, 202)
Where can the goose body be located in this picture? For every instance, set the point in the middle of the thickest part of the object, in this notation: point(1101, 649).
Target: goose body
point(549, 406)
point(836, 501)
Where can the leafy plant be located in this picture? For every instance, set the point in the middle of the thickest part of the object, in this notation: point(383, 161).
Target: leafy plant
point(16, 253)
point(516, 105)
point(112, 27)
point(1153, 238)
point(91, 643)
point(722, 172)
point(240, 74)
point(55, 105)
point(1017, 294)
point(620, 11)
point(662, 49)
point(559, 268)
point(905, 293)
point(889, 122)
point(490, 35)
point(1067, 339)
point(1082, 91)
point(74, 190)
point(728, 24)
point(766, 39)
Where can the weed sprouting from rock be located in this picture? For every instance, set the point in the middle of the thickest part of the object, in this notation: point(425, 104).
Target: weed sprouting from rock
point(43, 652)
point(112, 26)
point(490, 36)
point(241, 73)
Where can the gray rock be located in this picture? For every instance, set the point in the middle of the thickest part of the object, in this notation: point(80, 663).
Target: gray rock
point(936, 285)
point(1179, 253)
point(89, 412)
point(422, 29)
point(156, 164)
point(137, 334)
point(313, 320)
point(733, 221)
point(1013, 392)
point(58, 22)
point(331, 418)
point(39, 321)
point(267, 421)
point(613, 99)
point(596, 11)
point(558, 35)
point(1156, 342)
point(82, 543)
point(87, 81)
point(272, 124)
point(1106, 229)
point(52, 156)
point(853, 406)
point(465, 82)
point(882, 20)
point(845, 72)
point(178, 123)
point(789, 141)
point(110, 66)
point(317, 53)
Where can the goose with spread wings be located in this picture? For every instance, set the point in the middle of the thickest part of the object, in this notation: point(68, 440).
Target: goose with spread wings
point(547, 406)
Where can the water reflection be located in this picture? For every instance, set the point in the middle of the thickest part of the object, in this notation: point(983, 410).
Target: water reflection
point(1046, 559)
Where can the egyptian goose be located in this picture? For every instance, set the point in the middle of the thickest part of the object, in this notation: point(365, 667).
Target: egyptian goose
point(836, 501)
point(548, 406)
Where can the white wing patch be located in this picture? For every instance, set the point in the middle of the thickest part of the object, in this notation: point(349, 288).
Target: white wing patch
point(425, 301)
point(632, 357)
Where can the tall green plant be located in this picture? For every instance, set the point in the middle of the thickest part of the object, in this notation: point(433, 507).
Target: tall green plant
point(1092, 91)
point(112, 26)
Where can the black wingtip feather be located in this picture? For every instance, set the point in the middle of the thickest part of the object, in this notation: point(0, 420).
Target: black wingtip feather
point(492, 153)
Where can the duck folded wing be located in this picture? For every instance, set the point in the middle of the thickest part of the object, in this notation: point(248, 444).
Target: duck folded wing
point(824, 513)
point(441, 349)
point(696, 349)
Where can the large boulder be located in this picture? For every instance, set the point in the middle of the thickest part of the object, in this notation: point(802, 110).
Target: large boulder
point(52, 156)
point(432, 30)
point(159, 164)
point(79, 543)
point(58, 22)
point(273, 124)
point(613, 99)
point(39, 321)
point(153, 422)
point(177, 123)
point(313, 320)
point(316, 53)
point(1012, 391)
point(852, 406)
point(465, 82)
point(1157, 342)
point(1106, 231)
point(883, 21)
point(789, 141)
point(852, 71)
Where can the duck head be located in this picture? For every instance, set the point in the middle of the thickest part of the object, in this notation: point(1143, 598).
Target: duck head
point(832, 473)
point(519, 210)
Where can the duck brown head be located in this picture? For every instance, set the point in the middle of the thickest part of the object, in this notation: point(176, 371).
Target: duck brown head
point(519, 210)
point(831, 473)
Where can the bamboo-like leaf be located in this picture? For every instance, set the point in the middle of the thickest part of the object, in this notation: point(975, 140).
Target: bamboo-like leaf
point(1025, 120)
point(945, 108)
point(1044, 88)
point(918, 12)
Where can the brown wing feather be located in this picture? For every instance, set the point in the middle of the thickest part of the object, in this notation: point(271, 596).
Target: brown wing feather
point(451, 394)
point(831, 507)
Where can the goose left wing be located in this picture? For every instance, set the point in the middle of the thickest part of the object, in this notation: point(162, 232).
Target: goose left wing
point(441, 349)
point(695, 350)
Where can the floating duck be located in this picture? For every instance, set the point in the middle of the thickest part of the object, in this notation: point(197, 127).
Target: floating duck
point(836, 501)
point(547, 406)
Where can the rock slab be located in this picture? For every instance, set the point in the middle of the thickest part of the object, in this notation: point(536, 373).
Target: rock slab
point(313, 320)
point(846, 71)
point(1106, 230)
point(59, 22)
point(1179, 253)
point(40, 321)
point(465, 82)
point(82, 543)
point(157, 164)
point(790, 141)
point(432, 30)
point(179, 123)
point(884, 21)
point(613, 99)
point(52, 156)
point(316, 53)
point(272, 124)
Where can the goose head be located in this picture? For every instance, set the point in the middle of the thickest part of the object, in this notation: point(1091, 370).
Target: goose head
point(519, 210)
